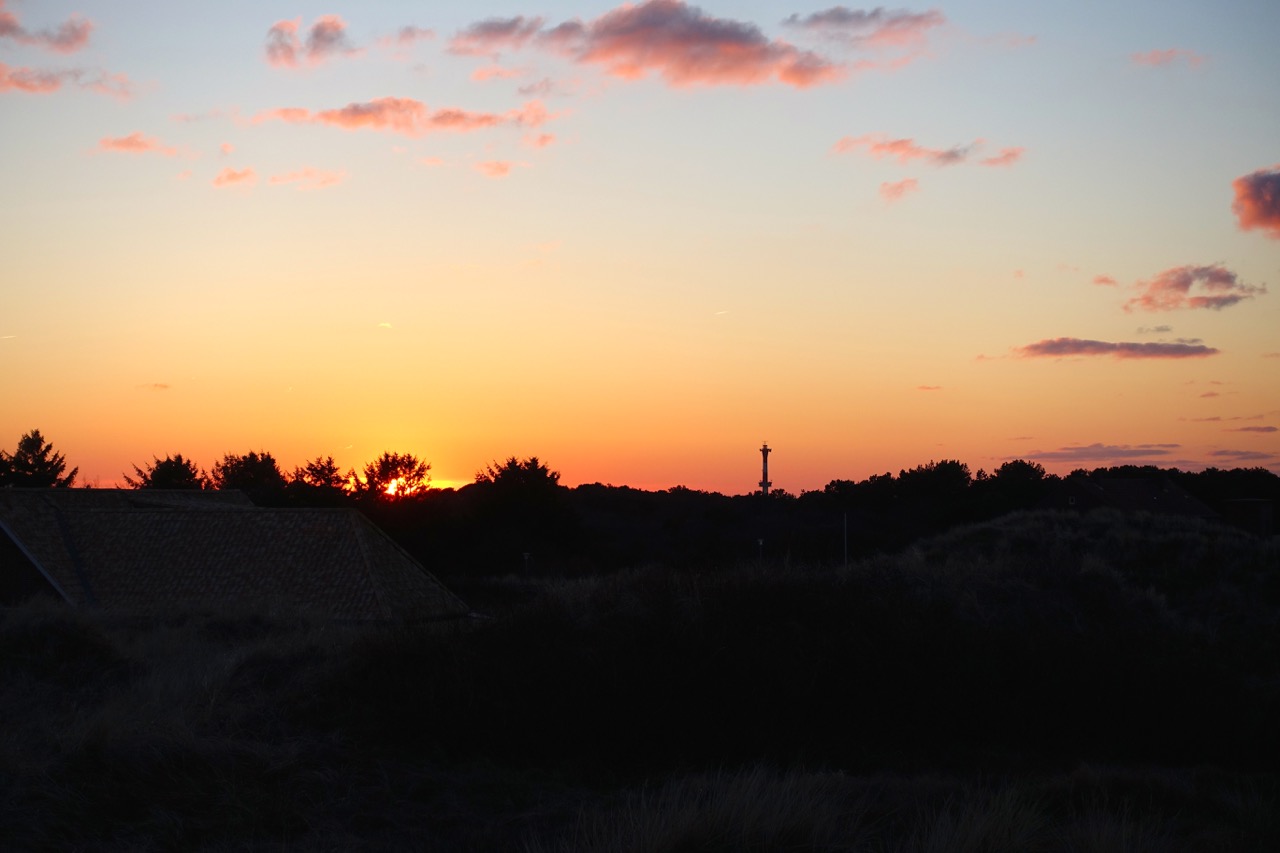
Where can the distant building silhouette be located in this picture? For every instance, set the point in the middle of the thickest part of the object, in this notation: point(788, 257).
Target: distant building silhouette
point(151, 551)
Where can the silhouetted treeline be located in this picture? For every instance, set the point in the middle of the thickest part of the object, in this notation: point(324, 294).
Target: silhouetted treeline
point(516, 518)
point(509, 525)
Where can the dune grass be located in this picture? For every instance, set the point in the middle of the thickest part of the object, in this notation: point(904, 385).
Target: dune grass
point(1042, 682)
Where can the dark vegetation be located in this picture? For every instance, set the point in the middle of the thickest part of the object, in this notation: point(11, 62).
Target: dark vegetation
point(651, 677)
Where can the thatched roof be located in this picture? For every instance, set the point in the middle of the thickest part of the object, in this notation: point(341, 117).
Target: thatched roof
point(141, 551)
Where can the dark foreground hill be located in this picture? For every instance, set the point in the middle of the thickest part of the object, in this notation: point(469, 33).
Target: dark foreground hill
point(1044, 681)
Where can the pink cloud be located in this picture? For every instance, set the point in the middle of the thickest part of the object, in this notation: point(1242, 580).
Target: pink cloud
point(29, 80)
point(68, 37)
point(407, 36)
point(877, 28)
point(496, 72)
point(896, 190)
point(1062, 347)
point(1216, 288)
point(1257, 203)
point(487, 37)
point(408, 117)
point(136, 143)
point(1171, 56)
point(308, 178)
point(230, 177)
point(226, 148)
point(928, 387)
point(495, 168)
point(678, 42)
point(40, 82)
point(431, 161)
point(902, 150)
point(326, 38)
point(541, 140)
point(1105, 281)
point(1006, 157)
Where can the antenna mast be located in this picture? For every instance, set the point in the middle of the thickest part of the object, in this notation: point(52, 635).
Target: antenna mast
point(764, 473)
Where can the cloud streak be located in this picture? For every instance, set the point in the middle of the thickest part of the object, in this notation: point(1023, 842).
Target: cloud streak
point(1006, 157)
point(308, 178)
point(230, 178)
point(136, 143)
point(1168, 56)
point(1098, 452)
point(905, 151)
point(1257, 201)
point(892, 191)
point(876, 28)
point(1215, 286)
point(1065, 347)
point(408, 117)
point(41, 82)
point(675, 41)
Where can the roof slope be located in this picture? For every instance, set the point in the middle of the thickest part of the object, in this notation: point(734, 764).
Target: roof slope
point(114, 554)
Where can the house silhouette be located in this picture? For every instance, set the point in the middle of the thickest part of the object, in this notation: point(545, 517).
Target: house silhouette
point(152, 551)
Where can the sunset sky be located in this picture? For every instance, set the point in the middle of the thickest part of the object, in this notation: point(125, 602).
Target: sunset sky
point(639, 240)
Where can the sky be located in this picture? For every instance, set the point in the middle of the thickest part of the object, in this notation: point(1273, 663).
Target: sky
point(640, 240)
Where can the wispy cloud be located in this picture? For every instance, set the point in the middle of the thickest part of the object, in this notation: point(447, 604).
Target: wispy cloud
point(406, 37)
point(155, 386)
point(1154, 330)
point(497, 72)
point(904, 151)
point(1255, 429)
point(308, 178)
point(408, 117)
point(230, 177)
point(1216, 288)
point(928, 387)
point(1105, 281)
point(327, 38)
point(876, 28)
point(1168, 56)
point(1006, 157)
point(1242, 455)
point(1063, 347)
point(495, 168)
point(136, 143)
point(488, 37)
point(68, 37)
point(1098, 452)
point(1257, 202)
point(539, 140)
point(892, 191)
point(42, 82)
point(679, 43)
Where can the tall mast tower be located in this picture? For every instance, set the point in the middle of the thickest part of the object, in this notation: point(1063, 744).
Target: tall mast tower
point(764, 473)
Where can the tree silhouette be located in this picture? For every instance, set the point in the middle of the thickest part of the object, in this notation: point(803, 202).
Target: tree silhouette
point(35, 465)
point(320, 482)
point(395, 475)
point(322, 473)
point(255, 474)
point(519, 474)
point(171, 472)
